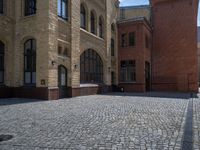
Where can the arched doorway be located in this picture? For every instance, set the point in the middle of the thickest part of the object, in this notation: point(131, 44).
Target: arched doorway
point(62, 81)
point(2, 51)
point(91, 67)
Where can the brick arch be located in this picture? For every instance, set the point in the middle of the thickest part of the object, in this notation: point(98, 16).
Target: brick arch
point(26, 38)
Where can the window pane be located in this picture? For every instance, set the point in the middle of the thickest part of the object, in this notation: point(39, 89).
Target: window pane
point(27, 77)
point(30, 7)
point(112, 47)
point(1, 6)
point(30, 62)
point(128, 71)
point(83, 17)
point(1, 76)
point(34, 77)
point(59, 7)
point(1, 62)
point(64, 9)
point(132, 39)
point(28, 47)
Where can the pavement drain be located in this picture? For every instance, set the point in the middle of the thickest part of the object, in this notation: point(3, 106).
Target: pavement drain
point(5, 137)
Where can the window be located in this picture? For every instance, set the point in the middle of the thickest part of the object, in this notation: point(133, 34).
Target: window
point(123, 40)
point(30, 62)
point(63, 9)
point(83, 17)
point(112, 77)
point(113, 27)
point(101, 27)
point(91, 67)
point(1, 6)
point(59, 50)
point(128, 73)
point(65, 53)
point(132, 39)
point(93, 21)
point(30, 7)
point(1, 63)
point(112, 47)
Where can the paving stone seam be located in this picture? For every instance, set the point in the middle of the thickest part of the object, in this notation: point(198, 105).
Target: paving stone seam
point(187, 142)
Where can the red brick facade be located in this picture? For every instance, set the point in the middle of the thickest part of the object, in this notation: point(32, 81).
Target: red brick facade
point(173, 50)
point(139, 53)
point(174, 53)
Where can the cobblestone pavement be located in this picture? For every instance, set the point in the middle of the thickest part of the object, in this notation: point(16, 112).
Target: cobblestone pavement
point(111, 122)
point(196, 123)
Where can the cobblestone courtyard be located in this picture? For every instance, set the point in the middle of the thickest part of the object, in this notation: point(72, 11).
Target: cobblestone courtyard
point(111, 122)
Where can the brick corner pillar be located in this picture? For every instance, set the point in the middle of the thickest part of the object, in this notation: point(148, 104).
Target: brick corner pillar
point(75, 48)
point(174, 54)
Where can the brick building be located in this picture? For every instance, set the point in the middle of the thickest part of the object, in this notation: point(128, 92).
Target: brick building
point(64, 48)
point(169, 61)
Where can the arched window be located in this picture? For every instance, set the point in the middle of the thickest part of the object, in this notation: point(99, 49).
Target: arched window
point(91, 67)
point(113, 27)
point(101, 27)
point(1, 62)
point(83, 17)
point(30, 62)
point(30, 7)
point(63, 9)
point(93, 22)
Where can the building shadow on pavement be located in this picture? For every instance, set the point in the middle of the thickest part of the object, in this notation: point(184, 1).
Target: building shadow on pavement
point(157, 95)
point(14, 101)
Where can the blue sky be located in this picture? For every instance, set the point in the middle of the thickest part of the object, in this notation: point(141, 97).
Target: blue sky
point(142, 2)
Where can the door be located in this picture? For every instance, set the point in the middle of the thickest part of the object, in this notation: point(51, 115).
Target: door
point(147, 76)
point(62, 81)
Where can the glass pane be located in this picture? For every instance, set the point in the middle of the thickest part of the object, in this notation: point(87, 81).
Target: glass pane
point(28, 63)
point(28, 47)
point(64, 9)
point(27, 77)
point(34, 45)
point(63, 77)
point(34, 77)
point(1, 6)
point(1, 47)
point(1, 62)
point(59, 7)
point(1, 76)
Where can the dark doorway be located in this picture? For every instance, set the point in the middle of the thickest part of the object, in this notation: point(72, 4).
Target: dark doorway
point(62, 82)
point(147, 76)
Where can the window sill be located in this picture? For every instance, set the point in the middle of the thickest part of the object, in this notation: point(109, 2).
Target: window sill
point(63, 57)
point(94, 35)
point(28, 17)
point(128, 46)
point(131, 82)
point(29, 85)
point(63, 20)
point(88, 85)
